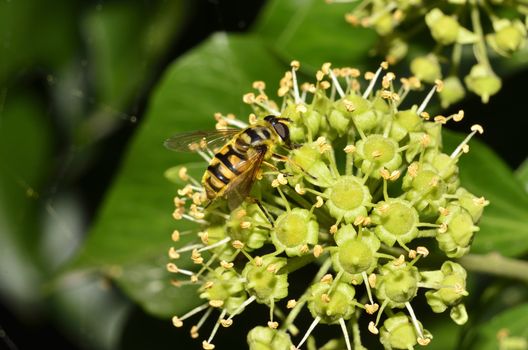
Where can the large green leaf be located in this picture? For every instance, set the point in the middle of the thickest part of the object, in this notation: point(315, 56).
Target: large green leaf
point(25, 147)
point(315, 32)
point(509, 325)
point(504, 225)
point(134, 225)
point(522, 174)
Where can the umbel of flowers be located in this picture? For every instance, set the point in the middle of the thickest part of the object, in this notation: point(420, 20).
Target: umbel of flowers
point(459, 28)
point(367, 194)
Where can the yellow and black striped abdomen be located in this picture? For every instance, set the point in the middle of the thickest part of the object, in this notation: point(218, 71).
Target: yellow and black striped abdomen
point(226, 165)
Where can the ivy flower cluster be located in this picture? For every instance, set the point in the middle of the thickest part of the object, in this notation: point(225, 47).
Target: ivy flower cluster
point(367, 196)
point(484, 28)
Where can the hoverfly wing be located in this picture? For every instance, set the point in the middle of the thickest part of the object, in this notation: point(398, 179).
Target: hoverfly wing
point(240, 187)
point(198, 140)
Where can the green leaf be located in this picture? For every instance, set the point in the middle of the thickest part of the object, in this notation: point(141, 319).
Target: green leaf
point(315, 32)
point(504, 224)
point(125, 41)
point(511, 324)
point(134, 226)
point(25, 148)
point(35, 33)
point(522, 174)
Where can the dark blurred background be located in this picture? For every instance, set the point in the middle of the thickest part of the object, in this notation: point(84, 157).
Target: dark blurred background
point(76, 67)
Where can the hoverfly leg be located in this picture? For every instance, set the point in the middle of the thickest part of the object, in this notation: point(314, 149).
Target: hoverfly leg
point(263, 210)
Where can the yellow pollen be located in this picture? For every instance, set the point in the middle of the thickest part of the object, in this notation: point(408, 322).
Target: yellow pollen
point(238, 244)
point(352, 19)
point(423, 341)
point(372, 328)
point(226, 265)
point(385, 174)
point(434, 181)
point(295, 64)
point(194, 332)
point(301, 108)
point(282, 91)
point(480, 201)
point(371, 308)
point(326, 67)
point(465, 148)
point(273, 325)
point(478, 128)
point(204, 237)
point(395, 175)
point(372, 280)
point(412, 254)
point(305, 249)
point(272, 268)
point(399, 261)
point(182, 174)
point(458, 116)
point(173, 254)
point(328, 278)
point(376, 154)
point(319, 75)
point(208, 285)
point(369, 75)
point(252, 119)
point(443, 211)
point(384, 65)
point(325, 85)
point(249, 98)
point(172, 268)
point(258, 261)
point(175, 235)
point(423, 251)
point(245, 224)
point(207, 346)
point(325, 298)
point(261, 98)
point(319, 202)
point(218, 116)
point(231, 116)
point(226, 323)
point(299, 189)
point(425, 140)
point(194, 279)
point(440, 119)
point(216, 303)
point(282, 179)
point(318, 250)
point(275, 183)
point(177, 322)
point(333, 229)
point(349, 106)
point(442, 228)
point(439, 85)
point(291, 304)
point(259, 85)
point(425, 115)
point(349, 149)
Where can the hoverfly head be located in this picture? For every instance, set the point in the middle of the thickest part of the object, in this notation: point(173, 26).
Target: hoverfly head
point(280, 125)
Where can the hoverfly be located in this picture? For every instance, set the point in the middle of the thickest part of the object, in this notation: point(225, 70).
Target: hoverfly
point(234, 168)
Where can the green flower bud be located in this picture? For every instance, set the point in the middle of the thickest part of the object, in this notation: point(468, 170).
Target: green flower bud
point(364, 117)
point(264, 282)
point(265, 338)
point(225, 286)
point(483, 82)
point(426, 68)
point(355, 254)
point(397, 50)
point(347, 198)
point(308, 157)
point(456, 234)
point(473, 204)
point(338, 121)
point(445, 166)
point(253, 235)
point(398, 333)
point(508, 38)
point(452, 92)
point(425, 188)
point(404, 122)
point(397, 283)
point(376, 152)
point(396, 221)
point(384, 24)
point(444, 29)
point(294, 230)
point(330, 307)
point(450, 283)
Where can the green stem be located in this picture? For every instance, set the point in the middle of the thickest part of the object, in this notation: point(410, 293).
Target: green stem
point(480, 46)
point(496, 264)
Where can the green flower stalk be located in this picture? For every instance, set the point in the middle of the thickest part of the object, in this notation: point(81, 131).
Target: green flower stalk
point(486, 28)
point(365, 194)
